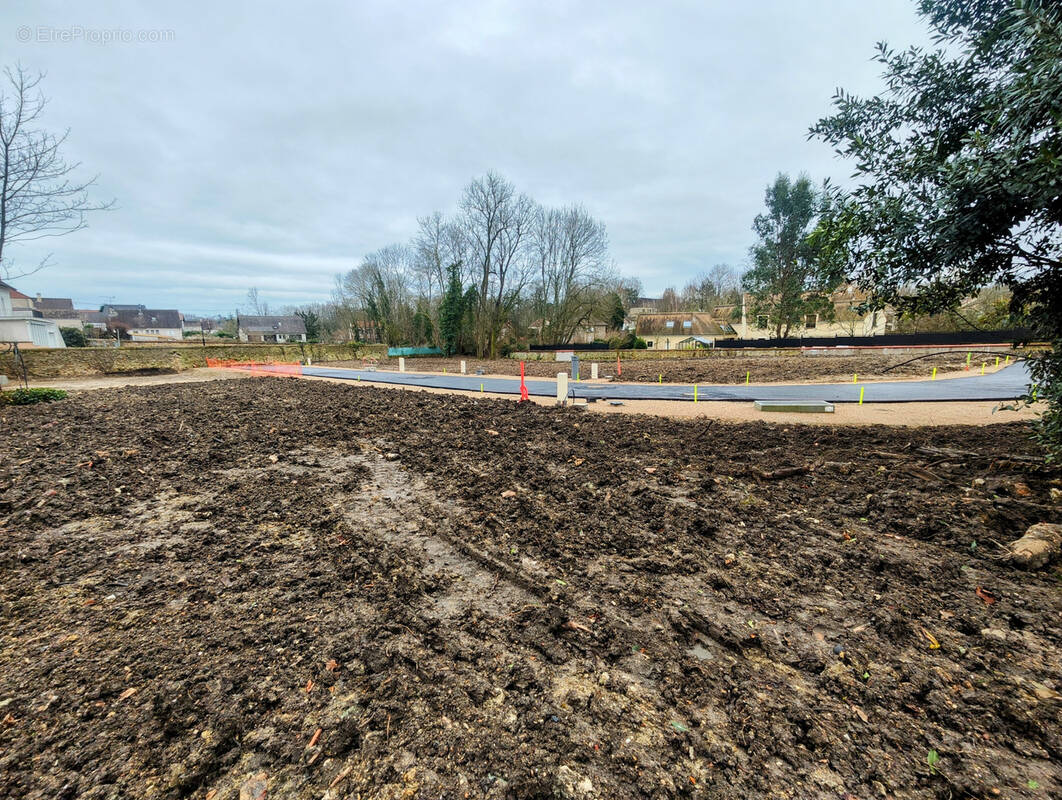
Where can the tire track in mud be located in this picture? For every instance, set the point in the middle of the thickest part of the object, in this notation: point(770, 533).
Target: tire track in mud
point(399, 509)
point(482, 599)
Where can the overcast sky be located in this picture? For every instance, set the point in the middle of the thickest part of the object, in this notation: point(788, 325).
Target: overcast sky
point(273, 147)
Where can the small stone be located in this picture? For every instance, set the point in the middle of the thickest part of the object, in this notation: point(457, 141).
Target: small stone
point(254, 788)
point(603, 678)
point(994, 633)
point(570, 785)
point(1056, 495)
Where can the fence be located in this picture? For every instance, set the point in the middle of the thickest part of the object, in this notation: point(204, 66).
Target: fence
point(886, 340)
point(259, 368)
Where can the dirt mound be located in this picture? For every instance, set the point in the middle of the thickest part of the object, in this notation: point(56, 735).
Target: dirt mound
point(347, 591)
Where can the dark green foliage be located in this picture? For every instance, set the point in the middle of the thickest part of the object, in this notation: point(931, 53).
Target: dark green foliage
point(28, 397)
point(628, 342)
point(422, 327)
point(452, 311)
point(73, 337)
point(960, 169)
point(788, 279)
point(616, 312)
point(312, 323)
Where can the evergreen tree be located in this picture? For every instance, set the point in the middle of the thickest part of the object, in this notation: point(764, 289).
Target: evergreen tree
point(452, 311)
point(788, 280)
point(958, 170)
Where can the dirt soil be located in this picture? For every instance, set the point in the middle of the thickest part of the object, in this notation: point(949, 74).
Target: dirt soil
point(311, 590)
point(717, 369)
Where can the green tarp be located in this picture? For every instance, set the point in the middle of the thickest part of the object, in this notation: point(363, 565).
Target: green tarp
point(406, 352)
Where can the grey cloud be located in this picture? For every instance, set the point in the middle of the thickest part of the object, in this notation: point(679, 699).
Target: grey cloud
point(274, 146)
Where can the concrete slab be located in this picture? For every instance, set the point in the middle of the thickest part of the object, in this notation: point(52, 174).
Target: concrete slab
point(799, 406)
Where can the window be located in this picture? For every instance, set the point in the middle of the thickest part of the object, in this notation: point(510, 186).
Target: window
point(669, 324)
point(687, 324)
point(810, 320)
point(762, 320)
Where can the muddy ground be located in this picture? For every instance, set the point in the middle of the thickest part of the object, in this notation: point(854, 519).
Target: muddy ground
point(316, 590)
point(716, 369)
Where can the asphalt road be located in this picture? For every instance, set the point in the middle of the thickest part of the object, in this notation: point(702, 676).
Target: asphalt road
point(1007, 384)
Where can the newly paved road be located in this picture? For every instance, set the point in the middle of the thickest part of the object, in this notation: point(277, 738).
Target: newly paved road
point(1006, 384)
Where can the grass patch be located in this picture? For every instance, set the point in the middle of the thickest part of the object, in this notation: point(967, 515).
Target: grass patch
point(29, 397)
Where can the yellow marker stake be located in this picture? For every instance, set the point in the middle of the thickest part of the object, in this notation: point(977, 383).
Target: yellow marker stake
point(855, 377)
point(481, 387)
point(659, 378)
point(968, 357)
point(982, 367)
point(1007, 361)
point(746, 379)
point(934, 373)
point(861, 388)
point(694, 393)
point(997, 361)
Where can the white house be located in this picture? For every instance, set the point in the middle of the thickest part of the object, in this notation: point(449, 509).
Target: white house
point(147, 324)
point(24, 325)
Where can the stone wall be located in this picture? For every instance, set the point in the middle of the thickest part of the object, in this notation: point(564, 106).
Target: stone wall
point(74, 362)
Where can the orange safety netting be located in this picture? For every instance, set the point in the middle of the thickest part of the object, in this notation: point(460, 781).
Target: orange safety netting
point(259, 368)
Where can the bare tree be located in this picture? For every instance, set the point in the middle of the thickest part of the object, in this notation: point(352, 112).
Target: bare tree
point(258, 307)
point(718, 287)
point(378, 291)
point(726, 284)
point(39, 196)
point(669, 300)
point(438, 244)
point(570, 257)
point(496, 222)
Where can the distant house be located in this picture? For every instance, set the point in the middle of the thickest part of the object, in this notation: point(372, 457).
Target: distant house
point(590, 331)
point(58, 309)
point(271, 329)
point(848, 319)
point(22, 324)
point(146, 324)
point(91, 319)
point(199, 324)
point(681, 330)
point(586, 332)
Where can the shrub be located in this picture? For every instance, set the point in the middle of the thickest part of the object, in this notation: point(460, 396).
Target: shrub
point(628, 342)
point(27, 397)
point(73, 337)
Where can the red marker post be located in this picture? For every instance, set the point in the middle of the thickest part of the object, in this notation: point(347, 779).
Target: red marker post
point(523, 386)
